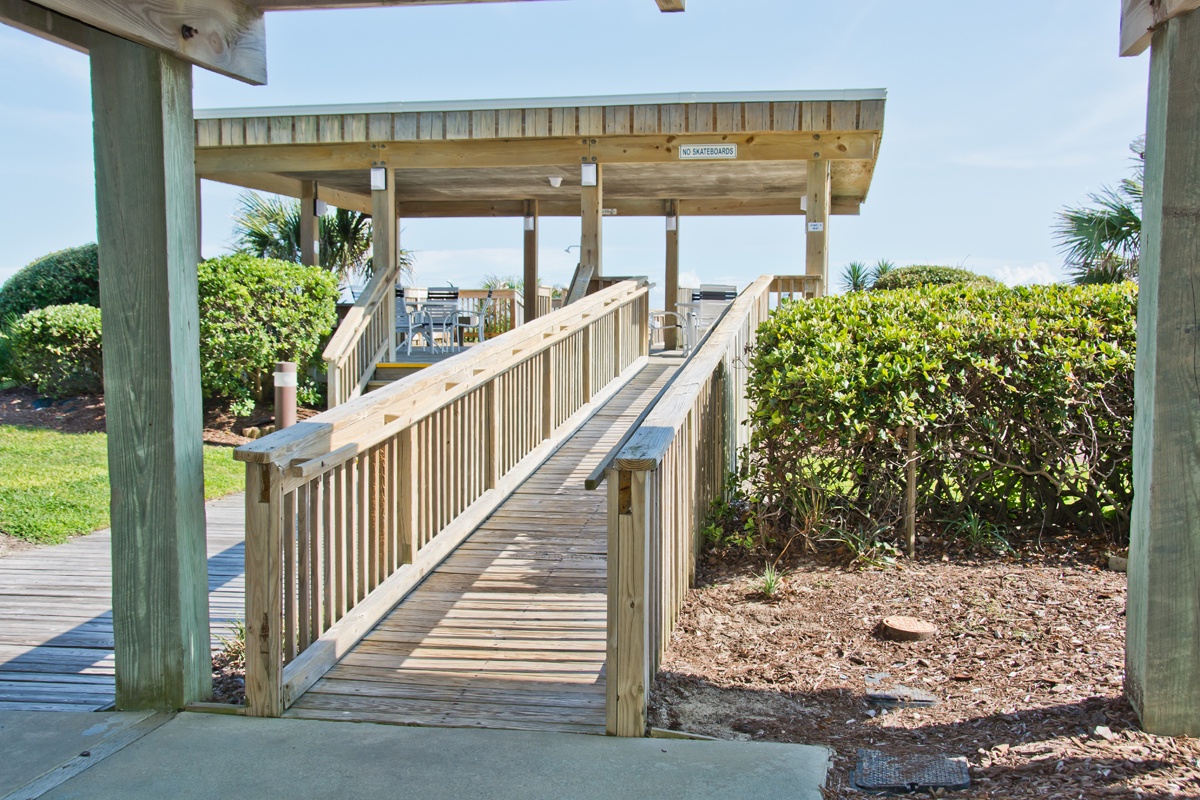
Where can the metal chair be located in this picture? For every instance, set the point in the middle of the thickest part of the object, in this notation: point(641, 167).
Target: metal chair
point(658, 322)
point(708, 303)
point(411, 321)
point(442, 314)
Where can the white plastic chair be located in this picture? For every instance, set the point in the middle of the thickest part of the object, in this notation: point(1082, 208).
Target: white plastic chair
point(708, 303)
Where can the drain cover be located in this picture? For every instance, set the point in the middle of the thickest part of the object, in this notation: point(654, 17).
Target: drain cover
point(879, 772)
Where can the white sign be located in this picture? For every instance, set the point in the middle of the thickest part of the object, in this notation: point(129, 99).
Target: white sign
point(608, 212)
point(707, 151)
point(816, 227)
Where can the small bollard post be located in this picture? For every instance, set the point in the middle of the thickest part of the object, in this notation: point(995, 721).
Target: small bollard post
point(285, 394)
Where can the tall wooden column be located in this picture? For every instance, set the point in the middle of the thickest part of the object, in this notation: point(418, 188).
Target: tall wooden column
point(310, 225)
point(385, 242)
point(531, 260)
point(199, 223)
point(671, 280)
point(146, 212)
point(820, 191)
point(590, 238)
point(1162, 654)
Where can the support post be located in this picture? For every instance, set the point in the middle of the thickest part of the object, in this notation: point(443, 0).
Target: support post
point(1162, 652)
point(590, 238)
point(628, 655)
point(199, 223)
point(385, 245)
point(310, 225)
point(531, 260)
point(671, 333)
point(146, 214)
point(820, 198)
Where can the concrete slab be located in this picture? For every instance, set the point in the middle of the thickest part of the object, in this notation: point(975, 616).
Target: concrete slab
point(202, 756)
point(34, 742)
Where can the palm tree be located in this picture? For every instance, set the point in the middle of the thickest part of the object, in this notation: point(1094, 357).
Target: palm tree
point(1102, 242)
point(856, 277)
point(269, 227)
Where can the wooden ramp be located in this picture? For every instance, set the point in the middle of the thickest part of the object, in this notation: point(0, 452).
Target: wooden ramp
point(56, 633)
point(509, 632)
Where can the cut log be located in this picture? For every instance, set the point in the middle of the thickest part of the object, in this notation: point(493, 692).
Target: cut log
point(907, 629)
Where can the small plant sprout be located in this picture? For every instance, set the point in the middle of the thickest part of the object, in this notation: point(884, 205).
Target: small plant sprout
point(771, 581)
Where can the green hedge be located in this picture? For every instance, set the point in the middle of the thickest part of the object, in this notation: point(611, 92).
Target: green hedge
point(912, 277)
point(57, 349)
point(1022, 400)
point(254, 312)
point(63, 278)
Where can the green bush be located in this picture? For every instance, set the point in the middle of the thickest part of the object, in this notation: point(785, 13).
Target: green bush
point(254, 312)
point(1022, 400)
point(912, 277)
point(57, 349)
point(63, 278)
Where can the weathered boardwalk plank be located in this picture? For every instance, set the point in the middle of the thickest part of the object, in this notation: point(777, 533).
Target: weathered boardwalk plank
point(510, 631)
point(56, 648)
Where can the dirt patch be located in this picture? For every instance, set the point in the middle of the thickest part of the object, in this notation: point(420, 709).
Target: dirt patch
point(229, 678)
point(86, 415)
point(1027, 667)
point(11, 544)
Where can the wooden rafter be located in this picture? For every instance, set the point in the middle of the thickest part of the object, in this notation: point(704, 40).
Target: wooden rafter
point(1139, 18)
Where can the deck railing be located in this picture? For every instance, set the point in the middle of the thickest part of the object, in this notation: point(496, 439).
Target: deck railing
point(347, 511)
point(660, 487)
point(364, 338)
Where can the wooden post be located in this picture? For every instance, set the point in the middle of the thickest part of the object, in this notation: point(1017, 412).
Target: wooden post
point(199, 223)
point(146, 213)
point(820, 198)
point(628, 626)
point(531, 260)
point(264, 590)
point(590, 238)
point(310, 225)
point(671, 333)
point(1162, 653)
point(385, 245)
point(910, 506)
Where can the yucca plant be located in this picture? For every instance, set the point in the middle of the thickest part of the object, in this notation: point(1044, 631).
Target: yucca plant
point(882, 267)
point(856, 277)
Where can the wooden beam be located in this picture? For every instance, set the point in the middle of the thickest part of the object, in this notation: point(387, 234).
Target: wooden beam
point(671, 5)
point(671, 279)
point(146, 212)
point(310, 225)
point(458, 153)
point(531, 260)
point(1162, 652)
point(385, 242)
point(291, 187)
point(1139, 18)
point(46, 24)
point(590, 238)
point(816, 225)
point(226, 36)
point(707, 207)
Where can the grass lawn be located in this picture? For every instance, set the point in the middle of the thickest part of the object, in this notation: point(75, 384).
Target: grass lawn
point(55, 485)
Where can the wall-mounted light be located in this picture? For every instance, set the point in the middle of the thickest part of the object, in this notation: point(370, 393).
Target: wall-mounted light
point(589, 174)
point(672, 223)
point(555, 181)
point(378, 179)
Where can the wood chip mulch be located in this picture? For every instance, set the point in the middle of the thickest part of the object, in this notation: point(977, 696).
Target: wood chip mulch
point(1028, 666)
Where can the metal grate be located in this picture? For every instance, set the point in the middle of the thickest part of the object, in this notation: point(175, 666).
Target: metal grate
point(879, 772)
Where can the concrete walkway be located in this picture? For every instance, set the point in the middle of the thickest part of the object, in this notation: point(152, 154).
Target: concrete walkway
point(207, 756)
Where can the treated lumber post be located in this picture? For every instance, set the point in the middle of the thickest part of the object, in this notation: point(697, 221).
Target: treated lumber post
point(310, 225)
point(671, 333)
point(820, 190)
point(146, 214)
point(1162, 653)
point(531, 260)
point(385, 245)
point(590, 237)
point(628, 625)
point(264, 590)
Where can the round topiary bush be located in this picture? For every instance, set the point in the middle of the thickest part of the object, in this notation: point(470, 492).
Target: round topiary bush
point(67, 277)
point(57, 350)
point(911, 277)
point(254, 312)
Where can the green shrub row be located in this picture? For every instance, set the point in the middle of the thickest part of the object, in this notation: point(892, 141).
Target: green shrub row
point(912, 277)
point(1022, 401)
point(58, 279)
point(57, 349)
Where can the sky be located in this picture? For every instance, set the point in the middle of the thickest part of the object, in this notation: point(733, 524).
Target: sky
point(998, 115)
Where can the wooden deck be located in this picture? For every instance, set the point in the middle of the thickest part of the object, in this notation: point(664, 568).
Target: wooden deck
point(56, 635)
point(509, 632)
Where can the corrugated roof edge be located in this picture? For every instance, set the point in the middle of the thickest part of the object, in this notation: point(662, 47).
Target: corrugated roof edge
point(546, 102)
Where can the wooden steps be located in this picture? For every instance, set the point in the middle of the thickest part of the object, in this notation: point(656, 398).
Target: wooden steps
point(510, 631)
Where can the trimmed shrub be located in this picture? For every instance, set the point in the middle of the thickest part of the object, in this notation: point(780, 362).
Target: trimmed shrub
point(57, 350)
point(1022, 401)
point(254, 312)
point(63, 278)
point(912, 277)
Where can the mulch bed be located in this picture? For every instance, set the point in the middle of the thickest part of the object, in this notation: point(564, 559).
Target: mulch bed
point(1027, 665)
point(229, 677)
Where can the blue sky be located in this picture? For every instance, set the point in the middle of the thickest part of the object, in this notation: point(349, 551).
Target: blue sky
point(998, 114)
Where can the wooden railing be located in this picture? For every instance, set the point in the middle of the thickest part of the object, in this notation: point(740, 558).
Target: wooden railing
point(347, 511)
point(660, 487)
point(365, 337)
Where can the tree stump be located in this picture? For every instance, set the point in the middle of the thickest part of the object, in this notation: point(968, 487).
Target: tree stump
point(907, 629)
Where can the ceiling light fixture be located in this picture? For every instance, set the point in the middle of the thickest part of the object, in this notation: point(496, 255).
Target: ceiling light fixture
point(556, 181)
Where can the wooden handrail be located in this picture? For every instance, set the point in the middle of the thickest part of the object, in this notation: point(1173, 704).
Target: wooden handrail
point(660, 487)
point(348, 511)
point(365, 337)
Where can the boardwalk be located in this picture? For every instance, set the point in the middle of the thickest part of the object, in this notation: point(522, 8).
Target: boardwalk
point(510, 631)
point(56, 637)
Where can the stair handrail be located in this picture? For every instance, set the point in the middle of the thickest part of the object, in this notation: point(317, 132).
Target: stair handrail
point(363, 338)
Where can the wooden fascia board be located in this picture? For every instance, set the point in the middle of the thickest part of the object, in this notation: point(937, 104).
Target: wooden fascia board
point(46, 24)
point(290, 187)
point(1139, 18)
point(704, 207)
point(225, 36)
point(529, 152)
point(670, 5)
point(300, 5)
